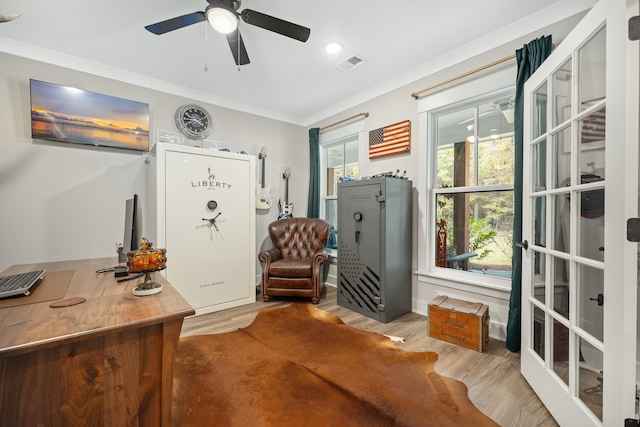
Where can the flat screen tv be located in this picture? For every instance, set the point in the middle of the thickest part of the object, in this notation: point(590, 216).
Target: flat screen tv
point(63, 113)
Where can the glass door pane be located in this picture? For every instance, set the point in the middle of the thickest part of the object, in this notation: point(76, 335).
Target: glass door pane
point(560, 351)
point(560, 287)
point(562, 93)
point(540, 166)
point(540, 111)
point(592, 71)
point(562, 158)
point(590, 378)
point(561, 233)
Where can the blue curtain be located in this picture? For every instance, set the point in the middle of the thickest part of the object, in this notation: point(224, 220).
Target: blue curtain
point(313, 202)
point(529, 58)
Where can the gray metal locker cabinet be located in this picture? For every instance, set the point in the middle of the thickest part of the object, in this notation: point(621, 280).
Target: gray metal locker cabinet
point(374, 247)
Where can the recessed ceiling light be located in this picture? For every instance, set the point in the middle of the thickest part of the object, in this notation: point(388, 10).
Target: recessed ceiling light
point(333, 47)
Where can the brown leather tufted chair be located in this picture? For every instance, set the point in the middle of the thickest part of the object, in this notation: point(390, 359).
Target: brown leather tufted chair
point(294, 266)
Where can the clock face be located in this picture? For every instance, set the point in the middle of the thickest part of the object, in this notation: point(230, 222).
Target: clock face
point(193, 121)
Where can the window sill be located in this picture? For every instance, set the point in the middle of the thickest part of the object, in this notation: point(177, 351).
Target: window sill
point(468, 282)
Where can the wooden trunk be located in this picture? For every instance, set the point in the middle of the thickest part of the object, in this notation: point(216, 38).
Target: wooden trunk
point(459, 322)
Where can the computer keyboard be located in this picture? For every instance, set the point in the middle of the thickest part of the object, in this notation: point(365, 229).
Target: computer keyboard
point(21, 283)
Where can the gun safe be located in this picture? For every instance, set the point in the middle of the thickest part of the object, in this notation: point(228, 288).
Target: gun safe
point(205, 218)
point(374, 247)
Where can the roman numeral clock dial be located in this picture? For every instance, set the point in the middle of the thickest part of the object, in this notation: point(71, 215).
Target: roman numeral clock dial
point(193, 121)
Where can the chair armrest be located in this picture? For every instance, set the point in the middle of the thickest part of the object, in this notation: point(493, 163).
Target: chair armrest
point(319, 258)
point(269, 255)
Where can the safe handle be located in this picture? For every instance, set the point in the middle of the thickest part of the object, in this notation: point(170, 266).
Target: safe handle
point(212, 221)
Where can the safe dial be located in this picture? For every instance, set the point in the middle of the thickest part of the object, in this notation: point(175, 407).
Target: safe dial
point(212, 204)
point(357, 216)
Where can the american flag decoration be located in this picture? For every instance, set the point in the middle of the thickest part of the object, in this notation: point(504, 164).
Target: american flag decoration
point(390, 140)
point(593, 127)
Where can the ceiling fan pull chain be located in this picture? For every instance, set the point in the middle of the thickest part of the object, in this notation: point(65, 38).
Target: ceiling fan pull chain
point(238, 38)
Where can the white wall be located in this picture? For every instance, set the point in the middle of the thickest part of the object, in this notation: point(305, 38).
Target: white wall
point(65, 201)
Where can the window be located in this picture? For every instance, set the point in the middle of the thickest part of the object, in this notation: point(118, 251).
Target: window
point(472, 191)
point(339, 160)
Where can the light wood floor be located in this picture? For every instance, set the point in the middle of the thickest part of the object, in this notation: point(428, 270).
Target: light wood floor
point(493, 378)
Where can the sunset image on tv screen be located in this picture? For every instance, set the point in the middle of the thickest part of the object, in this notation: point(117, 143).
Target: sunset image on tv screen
point(68, 114)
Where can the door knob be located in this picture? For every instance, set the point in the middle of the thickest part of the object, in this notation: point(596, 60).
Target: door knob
point(524, 245)
point(600, 299)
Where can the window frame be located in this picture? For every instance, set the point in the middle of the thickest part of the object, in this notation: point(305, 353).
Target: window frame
point(472, 93)
point(334, 138)
point(473, 102)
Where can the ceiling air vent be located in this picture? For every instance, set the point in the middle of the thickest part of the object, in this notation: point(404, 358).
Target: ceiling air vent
point(350, 63)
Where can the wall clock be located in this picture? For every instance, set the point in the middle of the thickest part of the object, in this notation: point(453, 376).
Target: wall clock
point(194, 121)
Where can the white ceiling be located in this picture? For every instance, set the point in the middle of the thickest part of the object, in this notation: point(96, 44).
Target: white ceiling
point(286, 80)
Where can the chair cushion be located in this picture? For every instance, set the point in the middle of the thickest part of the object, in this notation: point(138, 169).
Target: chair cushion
point(291, 268)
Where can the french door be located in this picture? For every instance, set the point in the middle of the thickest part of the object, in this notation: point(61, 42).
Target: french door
point(579, 284)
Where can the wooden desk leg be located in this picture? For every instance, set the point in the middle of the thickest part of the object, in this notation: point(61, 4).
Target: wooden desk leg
point(171, 335)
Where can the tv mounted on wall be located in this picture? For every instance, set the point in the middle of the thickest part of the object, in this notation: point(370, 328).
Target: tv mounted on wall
point(67, 114)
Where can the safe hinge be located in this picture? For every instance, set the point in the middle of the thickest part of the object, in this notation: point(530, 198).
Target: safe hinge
point(633, 229)
point(634, 422)
point(380, 197)
point(637, 403)
point(634, 28)
point(380, 307)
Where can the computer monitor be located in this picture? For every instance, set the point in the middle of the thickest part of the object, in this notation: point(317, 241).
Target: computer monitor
point(131, 240)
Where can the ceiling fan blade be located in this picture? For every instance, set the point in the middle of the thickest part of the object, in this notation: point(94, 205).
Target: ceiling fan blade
point(237, 47)
point(277, 25)
point(176, 23)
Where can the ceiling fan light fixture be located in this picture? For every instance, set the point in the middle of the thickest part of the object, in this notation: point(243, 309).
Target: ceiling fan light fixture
point(221, 19)
point(508, 115)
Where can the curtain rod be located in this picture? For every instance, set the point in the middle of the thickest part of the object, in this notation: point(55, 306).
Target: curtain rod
point(345, 120)
point(416, 95)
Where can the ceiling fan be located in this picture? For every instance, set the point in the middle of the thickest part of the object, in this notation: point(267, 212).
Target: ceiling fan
point(223, 16)
point(505, 106)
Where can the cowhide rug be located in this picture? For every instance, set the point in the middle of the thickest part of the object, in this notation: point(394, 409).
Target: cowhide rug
point(301, 366)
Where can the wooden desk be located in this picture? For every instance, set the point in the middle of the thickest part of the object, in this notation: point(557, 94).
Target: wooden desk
point(105, 362)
